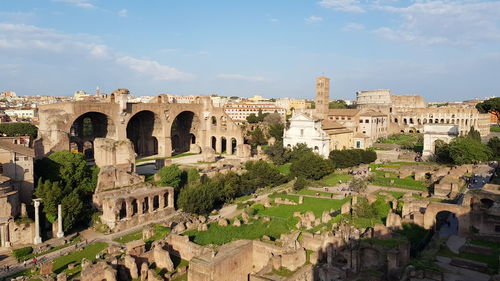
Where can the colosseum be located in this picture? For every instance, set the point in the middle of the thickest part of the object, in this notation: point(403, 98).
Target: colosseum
point(409, 113)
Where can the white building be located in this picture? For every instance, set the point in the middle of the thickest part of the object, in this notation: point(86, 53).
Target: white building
point(21, 113)
point(304, 129)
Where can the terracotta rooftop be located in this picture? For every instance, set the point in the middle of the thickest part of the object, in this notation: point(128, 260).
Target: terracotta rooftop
point(343, 112)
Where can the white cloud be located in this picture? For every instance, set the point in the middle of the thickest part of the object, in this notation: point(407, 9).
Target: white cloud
point(343, 5)
point(123, 13)
point(29, 40)
point(313, 19)
point(78, 3)
point(459, 22)
point(153, 68)
point(352, 26)
point(241, 77)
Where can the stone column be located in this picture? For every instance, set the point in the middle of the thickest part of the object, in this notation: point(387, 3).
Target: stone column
point(170, 199)
point(218, 145)
point(60, 232)
point(2, 235)
point(161, 201)
point(128, 208)
point(140, 203)
point(37, 239)
point(150, 200)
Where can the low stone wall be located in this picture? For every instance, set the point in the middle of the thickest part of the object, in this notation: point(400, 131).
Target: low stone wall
point(180, 246)
point(144, 218)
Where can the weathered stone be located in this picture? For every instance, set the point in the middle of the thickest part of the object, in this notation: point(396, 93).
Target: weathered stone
point(222, 222)
point(266, 219)
point(148, 232)
point(131, 265)
point(236, 222)
point(325, 217)
point(144, 271)
point(245, 217)
point(293, 260)
point(313, 258)
point(381, 232)
point(393, 221)
point(202, 219)
point(62, 277)
point(179, 228)
point(265, 237)
point(162, 259)
point(346, 208)
point(301, 199)
point(202, 227)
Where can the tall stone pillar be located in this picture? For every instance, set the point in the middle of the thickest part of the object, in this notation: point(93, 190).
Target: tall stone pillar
point(140, 206)
point(218, 145)
point(60, 232)
point(38, 238)
point(128, 208)
point(2, 235)
point(161, 201)
point(170, 199)
point(150, 199)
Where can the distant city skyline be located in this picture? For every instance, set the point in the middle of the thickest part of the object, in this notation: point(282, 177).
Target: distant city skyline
point(442, 50)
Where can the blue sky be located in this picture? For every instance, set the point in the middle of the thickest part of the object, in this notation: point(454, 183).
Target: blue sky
point(444, 50)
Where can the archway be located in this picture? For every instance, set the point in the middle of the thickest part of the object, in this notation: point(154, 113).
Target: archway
point(140, 132)
point(86, 128)
point(223, 145)
point(233, 145)
point(214, 143)
point(183, 131)
point(123, 210)
point(135, 207)
point(446, 224)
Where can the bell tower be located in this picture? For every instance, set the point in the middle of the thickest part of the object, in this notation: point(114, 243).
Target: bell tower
point(322, 96)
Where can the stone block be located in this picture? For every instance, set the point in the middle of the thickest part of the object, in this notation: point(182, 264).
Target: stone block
point(162, 259)
point(222, 222)
point(131, 266)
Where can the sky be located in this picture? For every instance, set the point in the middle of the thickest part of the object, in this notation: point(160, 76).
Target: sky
point(443, 50)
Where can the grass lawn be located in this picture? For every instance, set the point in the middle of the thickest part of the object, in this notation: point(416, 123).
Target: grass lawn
point(219, 235)
point(89, 252)
point(129, 237)
point(333, 179)
point(307, 191)
point(406, 183)
point(316, 205)
point(395, 194)
point(495, 129)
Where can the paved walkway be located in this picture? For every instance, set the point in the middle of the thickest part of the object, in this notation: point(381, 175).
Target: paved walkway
point(454, 243)
point(88, 236)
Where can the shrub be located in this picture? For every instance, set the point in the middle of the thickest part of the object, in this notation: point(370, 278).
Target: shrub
point(311, 166)
point(300, 183)
point(170, 176)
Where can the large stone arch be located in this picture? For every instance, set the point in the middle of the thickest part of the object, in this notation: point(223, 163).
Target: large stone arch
point(461, 212)
point(432, 133)
point(184, 131)
point(88, 126)
point(142, 131)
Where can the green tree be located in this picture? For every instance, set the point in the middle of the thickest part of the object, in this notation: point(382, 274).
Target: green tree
point(474, 134)
point(300, 183)
point(311, 166)
point(337, 104)
point(193, 176)
point(276, 131)
point(198, 199)
point(260, 174)
point(298, 151)
point(171, 176)
point(494, 145)
point(277, 153)
point(72, 209)
point(463, 150)
point(491, 105)
point(358, 184)
point(368, 156)
point(257, 137)
point(18, 129)
point(252, 118)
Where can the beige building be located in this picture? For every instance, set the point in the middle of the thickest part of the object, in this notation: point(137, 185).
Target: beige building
point(322, 97)
point(409, 113)
point(291, 104)
point(239, 112)
point(16, 162)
